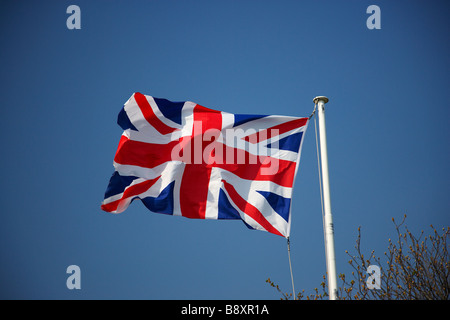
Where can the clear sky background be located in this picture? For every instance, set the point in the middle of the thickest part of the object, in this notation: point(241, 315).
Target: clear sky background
point(61, 90)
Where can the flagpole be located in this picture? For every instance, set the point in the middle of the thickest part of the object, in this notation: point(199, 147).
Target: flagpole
point(328, 227)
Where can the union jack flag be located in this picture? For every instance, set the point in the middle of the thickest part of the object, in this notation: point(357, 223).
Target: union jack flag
point(180, 158)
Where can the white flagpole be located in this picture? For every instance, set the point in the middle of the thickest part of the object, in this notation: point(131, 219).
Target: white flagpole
point(328, 219)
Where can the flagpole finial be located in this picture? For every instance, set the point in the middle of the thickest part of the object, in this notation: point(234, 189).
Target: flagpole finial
point(318, 98)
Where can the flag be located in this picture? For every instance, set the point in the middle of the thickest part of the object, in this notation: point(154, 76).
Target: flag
point(183, 159)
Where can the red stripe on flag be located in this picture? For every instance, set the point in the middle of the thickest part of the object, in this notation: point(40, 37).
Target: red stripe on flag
point(194, 191)
point(143, 154)
point(195, 182)
point(131, 191)
point(150, 116)
point(249, 209)
point(282, 128)
point(276, 170)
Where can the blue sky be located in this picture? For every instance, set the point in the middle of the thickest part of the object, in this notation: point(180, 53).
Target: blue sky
point(61, 91)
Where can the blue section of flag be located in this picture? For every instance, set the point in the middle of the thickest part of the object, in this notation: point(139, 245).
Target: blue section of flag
point(278, 203)
point(117, 184)
point(124, 122)
point(227, 211)
point(163, 203)
point(243, 118)
point(170, 110)
point(289, 143)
